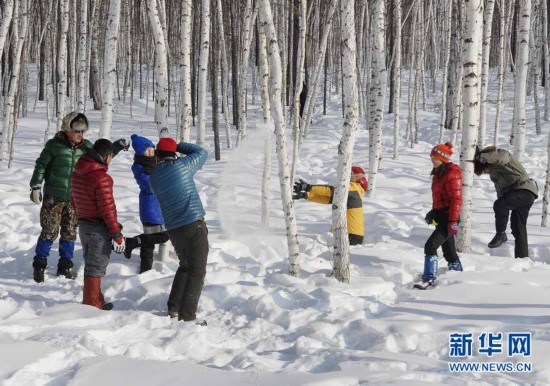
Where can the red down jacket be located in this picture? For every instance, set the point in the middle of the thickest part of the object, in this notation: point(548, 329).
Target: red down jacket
point(92, 193)
point(447, 189)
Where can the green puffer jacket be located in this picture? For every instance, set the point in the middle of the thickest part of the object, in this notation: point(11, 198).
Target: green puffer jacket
point(507, 173)
point(56, 164)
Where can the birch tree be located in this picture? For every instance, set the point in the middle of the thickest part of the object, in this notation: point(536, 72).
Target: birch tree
point(520, 78)
point(396, 93)
point(472, 34)
point(82, 57)
point(203, 71)
point(345, 148)
point(546, 61)
point(299, 85)
point(185, 69)
point(109, 69)
point(10, 106)
point(321, 55)
point(161, 66)
point(487, 33)
point(62, 62)
point(250, 19)
point(378, 90)
point(276, 81)
point(5, 23)
point(225, 75)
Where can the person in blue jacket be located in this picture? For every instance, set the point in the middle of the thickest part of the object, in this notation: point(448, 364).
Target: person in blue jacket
point(173, 185)
point(150, 214)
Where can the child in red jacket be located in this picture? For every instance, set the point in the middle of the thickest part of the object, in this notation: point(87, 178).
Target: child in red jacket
point(445, 213)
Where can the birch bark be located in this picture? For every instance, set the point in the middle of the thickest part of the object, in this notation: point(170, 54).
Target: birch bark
point(185, 69)
point(203, 71)
point(62, 62)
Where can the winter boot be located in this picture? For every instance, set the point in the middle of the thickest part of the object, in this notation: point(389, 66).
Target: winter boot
point(107, 307)
point(64, 268)
point(430, 268)
point(131, 243)
point(499, 239)
point(39, 265)
point(455, 266)
point(91, 294)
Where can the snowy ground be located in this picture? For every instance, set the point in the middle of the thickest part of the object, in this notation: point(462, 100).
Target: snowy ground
point(265, 327)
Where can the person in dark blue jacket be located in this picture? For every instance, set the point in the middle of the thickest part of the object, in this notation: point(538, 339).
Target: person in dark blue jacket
point(150, 214)
point(173, 185)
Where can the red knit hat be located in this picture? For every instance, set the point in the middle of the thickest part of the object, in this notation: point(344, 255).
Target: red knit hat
point(358, 175)
point(167, 144)
point(443, 152)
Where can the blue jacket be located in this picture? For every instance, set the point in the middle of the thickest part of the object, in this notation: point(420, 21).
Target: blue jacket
point(149, 208)
point(172, 183)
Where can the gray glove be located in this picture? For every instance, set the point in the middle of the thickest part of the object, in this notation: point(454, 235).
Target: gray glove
point(119, 145)
point(36, 194)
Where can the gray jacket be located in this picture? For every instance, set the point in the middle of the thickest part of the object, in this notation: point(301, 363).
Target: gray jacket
point(507, 173)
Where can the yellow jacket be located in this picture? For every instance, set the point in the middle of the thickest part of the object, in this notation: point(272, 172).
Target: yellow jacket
point(323, 194)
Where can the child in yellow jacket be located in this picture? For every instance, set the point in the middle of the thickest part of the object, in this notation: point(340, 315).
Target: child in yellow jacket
point(324, 194)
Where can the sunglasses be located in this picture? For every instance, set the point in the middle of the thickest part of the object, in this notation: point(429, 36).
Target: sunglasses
point(78, 131)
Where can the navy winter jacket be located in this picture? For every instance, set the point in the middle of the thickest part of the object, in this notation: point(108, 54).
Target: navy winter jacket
point(149, 208)
point(172, 183)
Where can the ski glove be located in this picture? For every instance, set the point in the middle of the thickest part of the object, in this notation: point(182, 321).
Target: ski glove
point(301, 186)
point(299, 195)
point(36, 194)
point(119, 145)
point(118, 243)
point(429, 218)
point(452, 228)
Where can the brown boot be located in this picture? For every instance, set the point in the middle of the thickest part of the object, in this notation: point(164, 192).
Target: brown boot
point(92, 295)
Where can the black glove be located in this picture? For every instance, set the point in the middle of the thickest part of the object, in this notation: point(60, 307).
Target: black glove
point(301, 186)
point(299, 195)
point(429, 217)
point(477, 156)
point(119, 145)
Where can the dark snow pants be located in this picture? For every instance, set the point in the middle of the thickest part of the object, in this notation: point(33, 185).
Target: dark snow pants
point(191, 245)
point(519, 202)
point(440, 238)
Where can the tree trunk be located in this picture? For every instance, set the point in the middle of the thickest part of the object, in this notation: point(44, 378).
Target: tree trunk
point(109, 68)
point(276, 81)
point(203, 71)
point(62, 62)
point(345, 148)
point(472, 34)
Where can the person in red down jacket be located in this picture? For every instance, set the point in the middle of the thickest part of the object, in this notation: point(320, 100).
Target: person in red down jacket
point(99, 229)
point(445, 213)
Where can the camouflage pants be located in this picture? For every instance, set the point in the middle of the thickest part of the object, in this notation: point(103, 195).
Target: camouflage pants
point(57, 217)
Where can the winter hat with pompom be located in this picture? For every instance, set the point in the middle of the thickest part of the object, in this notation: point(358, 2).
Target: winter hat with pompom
point(443, 152)
point(140, 144)
point(166, 147)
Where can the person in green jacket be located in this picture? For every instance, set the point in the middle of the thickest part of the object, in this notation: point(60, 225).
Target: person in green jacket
point(516, 193)
point(53, 169)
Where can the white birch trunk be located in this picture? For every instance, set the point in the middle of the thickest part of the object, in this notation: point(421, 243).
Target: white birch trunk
point(501, 70)
point(62, 62)
point(312, 88)
point(546, 194)
point(9, 125)
point(5, 24)
point(378, 91)
point(109, 69)
point(487, 33)
point(398, 12)
point(250, 19)
point(161, 66)
point(458, 97)
point(82, 57)
point(71, 44)
point(276, 82)
point(185, 69)
point(444, 80)
point(520, 85)
point(472, 37)
point(535, 68)
point(345, 148)
point(225, 77)
point(203, 71)
point(299, 85)
point(546, 69)
point(264, 76)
